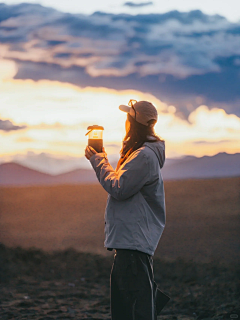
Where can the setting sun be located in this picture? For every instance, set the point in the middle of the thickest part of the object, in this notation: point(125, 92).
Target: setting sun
point(54, 117)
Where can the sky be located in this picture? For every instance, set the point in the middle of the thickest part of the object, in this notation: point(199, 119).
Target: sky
point(230, 9)
point(61, 72)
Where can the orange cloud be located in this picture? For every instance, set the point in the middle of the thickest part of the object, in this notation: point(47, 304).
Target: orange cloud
point(57, 114)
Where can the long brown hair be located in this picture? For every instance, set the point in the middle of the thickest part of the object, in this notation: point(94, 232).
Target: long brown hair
point(135, 137)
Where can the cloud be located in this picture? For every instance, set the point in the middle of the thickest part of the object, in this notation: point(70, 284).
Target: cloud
point(7, 125)
point(58, 114)
point(211, 142)
point(174, 43)
point(137, 5)
point(180, 57)
point(185, 94)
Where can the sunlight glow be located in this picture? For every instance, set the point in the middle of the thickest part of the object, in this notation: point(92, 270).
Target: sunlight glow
point(56, 116)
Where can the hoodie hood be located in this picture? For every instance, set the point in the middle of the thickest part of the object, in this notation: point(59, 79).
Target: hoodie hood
point(158, 147)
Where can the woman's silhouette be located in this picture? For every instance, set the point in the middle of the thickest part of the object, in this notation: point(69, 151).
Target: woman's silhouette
point(135, 213)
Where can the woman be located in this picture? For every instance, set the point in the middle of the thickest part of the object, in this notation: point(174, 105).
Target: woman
point(135, 212)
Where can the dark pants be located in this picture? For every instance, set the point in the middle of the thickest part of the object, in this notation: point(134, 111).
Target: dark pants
point(132, 286)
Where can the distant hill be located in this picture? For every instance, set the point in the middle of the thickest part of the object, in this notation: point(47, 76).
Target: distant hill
point(16, 174)
point(220, 165)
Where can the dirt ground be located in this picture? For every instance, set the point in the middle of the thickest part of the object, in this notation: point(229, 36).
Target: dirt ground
point(202, 219)
point(196, 262)
point(72, 285)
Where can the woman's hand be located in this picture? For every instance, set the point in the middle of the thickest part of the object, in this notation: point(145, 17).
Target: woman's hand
point(89, 152)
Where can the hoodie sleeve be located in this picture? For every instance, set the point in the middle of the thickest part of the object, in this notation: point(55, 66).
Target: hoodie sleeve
point(125, 182)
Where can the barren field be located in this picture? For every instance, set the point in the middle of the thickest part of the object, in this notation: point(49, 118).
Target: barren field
point(196, 263)
point(203, 219)
point(73, 285)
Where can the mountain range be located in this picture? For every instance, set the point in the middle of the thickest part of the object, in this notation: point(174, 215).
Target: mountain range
point(189, 167)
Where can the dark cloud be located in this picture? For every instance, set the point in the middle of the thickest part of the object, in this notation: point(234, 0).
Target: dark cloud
point(186, 18)
point(63, 55)
point(137, 5)
point(183, 58)
point(7, 125)
point(83, 26)
point(55, 42)
point(171, 91)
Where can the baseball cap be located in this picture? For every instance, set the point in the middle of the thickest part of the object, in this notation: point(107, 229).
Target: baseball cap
point(141, 111)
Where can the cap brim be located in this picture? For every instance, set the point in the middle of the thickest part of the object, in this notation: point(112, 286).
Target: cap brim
point(124, 108)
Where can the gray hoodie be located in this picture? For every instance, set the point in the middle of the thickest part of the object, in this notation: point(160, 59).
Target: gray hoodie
point(135, 213)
